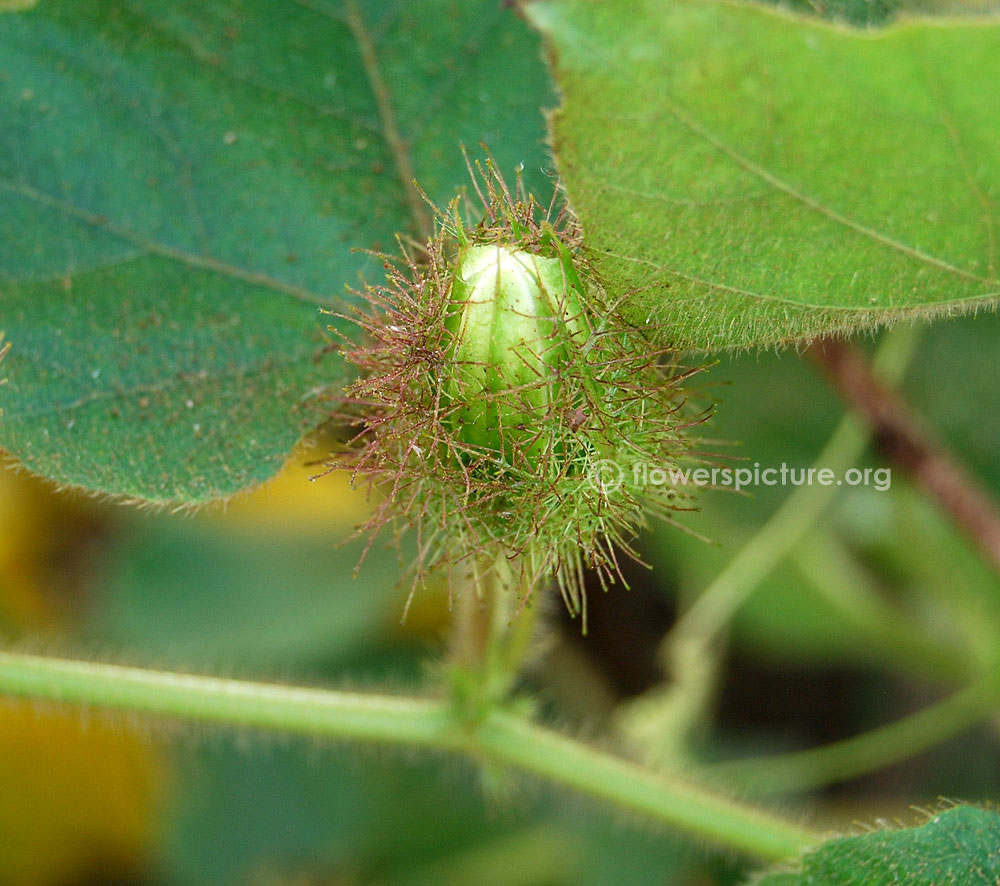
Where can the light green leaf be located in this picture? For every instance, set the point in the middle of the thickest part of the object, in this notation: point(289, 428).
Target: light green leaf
point(871, 13)
point(182, 184)
point(960, 847)
point(746, 177)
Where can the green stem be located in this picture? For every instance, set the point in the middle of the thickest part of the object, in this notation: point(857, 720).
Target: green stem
point(713, 608)
point(658, 722)
point(492, 637)
point(884, 634)
point(787, 773)
point(514, 740)
point(512, 629)
point(501, 737)
point(406, 720)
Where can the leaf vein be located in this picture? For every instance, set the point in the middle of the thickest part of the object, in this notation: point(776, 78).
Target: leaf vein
point(700, 130)
point(205, 58)
point(989, 209)
point(387, 115)
point(180, 380)
point(810, 202)
point(190, 259)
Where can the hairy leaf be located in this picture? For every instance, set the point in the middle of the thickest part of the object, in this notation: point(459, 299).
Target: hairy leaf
point(960, 847)
point(746, 177)
point(182, 186)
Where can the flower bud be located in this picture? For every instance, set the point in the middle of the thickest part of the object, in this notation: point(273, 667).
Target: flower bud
point(514, 312)
point(498, 386)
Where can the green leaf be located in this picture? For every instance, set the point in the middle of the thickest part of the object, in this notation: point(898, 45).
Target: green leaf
point(181, 591)
point(3, 353)
point(872, 13)
point(960, 847)
point(745, 177)
point(182, 186)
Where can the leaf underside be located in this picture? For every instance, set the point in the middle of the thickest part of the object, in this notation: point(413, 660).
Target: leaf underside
point(183, 185)
point(747, 177)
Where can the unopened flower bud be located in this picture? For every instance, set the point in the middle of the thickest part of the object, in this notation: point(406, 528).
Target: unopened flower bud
point(513, 314)
point(498, 392)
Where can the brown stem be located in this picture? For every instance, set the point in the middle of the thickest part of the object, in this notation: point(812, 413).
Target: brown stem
point(905, 441)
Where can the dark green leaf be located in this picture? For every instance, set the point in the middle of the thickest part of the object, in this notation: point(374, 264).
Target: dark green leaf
point(181, 188)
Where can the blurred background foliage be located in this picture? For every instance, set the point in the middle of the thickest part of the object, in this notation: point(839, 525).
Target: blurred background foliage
point(264, 588)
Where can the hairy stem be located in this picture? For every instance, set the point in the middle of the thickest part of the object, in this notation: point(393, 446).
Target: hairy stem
point(407, 720)
point(491, 641)
point(515, 740)
point(500, 737)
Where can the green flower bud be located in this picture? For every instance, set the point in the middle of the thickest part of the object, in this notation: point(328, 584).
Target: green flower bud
point(513, 314)
point(499, 389)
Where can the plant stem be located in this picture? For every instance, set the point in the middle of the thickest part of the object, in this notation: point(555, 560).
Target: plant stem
point(492, 634)
point(658, 722)
point(906, 442)
point(512, 628)
point(787, 773)
point(884, 633)
point(408, 720)
point(501, 737)
point(713, 608)
point(701, 813)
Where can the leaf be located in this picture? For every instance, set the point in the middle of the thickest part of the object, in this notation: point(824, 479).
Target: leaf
point(959, 847)
point(745, 177)
point(298, 812)
point(857, 12)
point(187, 591)
point(4, 347)
point(182, 186)
point(871, 13)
